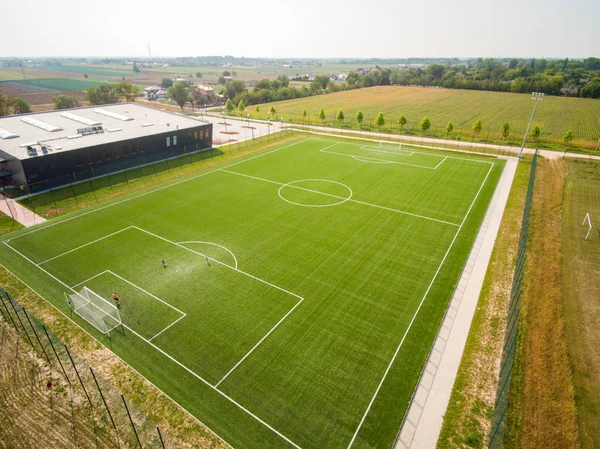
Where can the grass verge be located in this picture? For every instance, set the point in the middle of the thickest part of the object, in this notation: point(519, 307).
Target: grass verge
point(542, 405)
point(468, 417)
point(7, 224)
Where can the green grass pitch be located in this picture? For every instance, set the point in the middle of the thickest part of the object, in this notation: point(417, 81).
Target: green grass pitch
point(330, 265)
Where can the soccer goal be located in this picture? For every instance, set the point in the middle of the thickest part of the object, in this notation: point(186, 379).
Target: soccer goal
point(390, 145)
point(90, 306)
point(589, 221)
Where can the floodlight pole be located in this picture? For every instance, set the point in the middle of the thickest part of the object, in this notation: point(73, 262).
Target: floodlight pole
point(536, 96)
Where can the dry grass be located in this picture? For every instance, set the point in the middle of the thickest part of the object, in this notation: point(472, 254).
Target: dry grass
point(172, 419)
point(581, 293)
point(468, 418)
point(542, 410)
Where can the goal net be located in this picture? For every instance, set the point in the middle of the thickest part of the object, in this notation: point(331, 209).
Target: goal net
point(100, 313)
point(587, 219)
point(390, 145)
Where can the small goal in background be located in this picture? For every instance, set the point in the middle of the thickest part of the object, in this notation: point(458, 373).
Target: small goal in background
point(587, 219)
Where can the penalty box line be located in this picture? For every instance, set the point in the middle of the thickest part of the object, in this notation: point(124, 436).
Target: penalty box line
point(164, 353)
point(183, 314)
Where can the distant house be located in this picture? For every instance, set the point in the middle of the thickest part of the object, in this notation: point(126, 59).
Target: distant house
point(310, 76)
point(342, 76)
point(207, 92)
point(155, 93)
point(251, 83)
point(570, 91)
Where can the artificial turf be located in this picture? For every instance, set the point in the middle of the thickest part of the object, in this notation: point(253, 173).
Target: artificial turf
point(322, 255)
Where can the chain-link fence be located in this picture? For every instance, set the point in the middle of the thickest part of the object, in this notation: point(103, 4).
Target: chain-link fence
point(90, 186)
point(48, 393)
point(512, 325)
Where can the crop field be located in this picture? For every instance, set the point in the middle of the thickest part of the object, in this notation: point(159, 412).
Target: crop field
point(93, 70)
point(53, 84)
point(554, 115)
point(304, 285)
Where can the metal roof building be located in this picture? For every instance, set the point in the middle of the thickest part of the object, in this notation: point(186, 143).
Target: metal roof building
point(38, 150)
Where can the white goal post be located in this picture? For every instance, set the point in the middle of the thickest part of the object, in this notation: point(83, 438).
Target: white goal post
point(589, 220)
point(97, 311)
point(390, 145)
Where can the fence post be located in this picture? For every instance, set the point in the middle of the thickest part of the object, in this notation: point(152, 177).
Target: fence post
point(161, 438)
point(56, 354)
point(19, 318)
point(79, 377)
point(36, 336)
point(106, 405)
point(8, 311)
point(131, 421)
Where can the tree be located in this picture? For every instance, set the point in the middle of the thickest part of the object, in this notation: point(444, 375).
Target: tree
point(449, 127)
point(360, 117)
point(568, 137)
point(196, 97)
point(425, 124)
point(136, 69)
point(322, 115)
point(340, 116)
point(226, 73)
point(505, 130)
point(179, 93)
point(304, 114)
point(477, 126)
point(257, 109)
point(535, 132)
point(241, 106)
point(166, 83)
point(229, 107)
point(85, 75)
point(64, 101)
point(402, 121)
point(272, 111)
point(128, 90)
point(380, 120)
point(103, 94)
point(221, 80)
point(4, 103)
point(20, 106)
point(198, 75)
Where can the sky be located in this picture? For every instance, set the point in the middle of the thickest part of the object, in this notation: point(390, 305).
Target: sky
point(301, 29)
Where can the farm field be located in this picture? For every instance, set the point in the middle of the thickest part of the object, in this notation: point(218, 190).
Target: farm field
point(53, 84)
point(555, 115)
point(303, 289)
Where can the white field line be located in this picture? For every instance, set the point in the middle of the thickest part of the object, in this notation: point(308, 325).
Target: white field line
point(214, 244)
point(372, 160)
point(148, 293)
point(220, 263)
point(257, 344)
point(418, 309)
point(441, 162)
point(115, 355)
point(89, 279)
point(340, 197)
point(391, 162)
point(86, 244)
point(172, 324)
point(414, 145)
point(381, 150)
point(241, 407)
point(191, 178)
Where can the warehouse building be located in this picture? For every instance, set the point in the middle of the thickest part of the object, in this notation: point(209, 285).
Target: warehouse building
point(49, 149)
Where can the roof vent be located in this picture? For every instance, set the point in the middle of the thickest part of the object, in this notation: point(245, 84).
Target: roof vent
point(7, 134)
point(121, 117)
point(78, 118)
point(43, 125)
point(145, 125)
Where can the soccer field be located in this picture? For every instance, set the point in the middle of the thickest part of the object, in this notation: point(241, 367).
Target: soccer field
point(303, 289)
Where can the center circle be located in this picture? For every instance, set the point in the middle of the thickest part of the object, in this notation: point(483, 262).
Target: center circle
point(315, 193)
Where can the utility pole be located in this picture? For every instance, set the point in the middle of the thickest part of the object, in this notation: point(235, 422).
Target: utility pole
point(535, 96)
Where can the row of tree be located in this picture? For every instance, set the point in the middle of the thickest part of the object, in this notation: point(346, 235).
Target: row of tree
point(13, 105)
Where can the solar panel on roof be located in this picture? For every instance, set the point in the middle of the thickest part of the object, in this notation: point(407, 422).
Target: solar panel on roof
point(43, 125)
point(121, 117)
point(80, 119)
point(7, 134)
